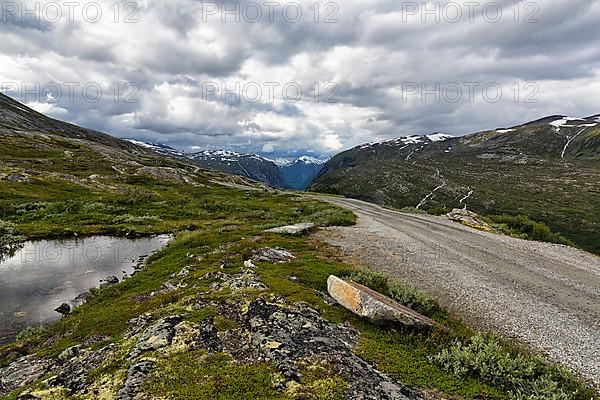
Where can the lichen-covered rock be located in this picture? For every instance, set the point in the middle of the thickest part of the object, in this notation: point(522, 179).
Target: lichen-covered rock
point(248, 279)
point(73, 375)
point(22, 372)
point(270, 255)
point(292, 335)
point(135, 379)
point(156, 336)
point(69, 353)
point(373, 306)
point(468, 218)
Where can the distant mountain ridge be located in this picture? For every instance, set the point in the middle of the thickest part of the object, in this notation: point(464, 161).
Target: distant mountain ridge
point(282, 173)
point(548, 169)
point(299, 173)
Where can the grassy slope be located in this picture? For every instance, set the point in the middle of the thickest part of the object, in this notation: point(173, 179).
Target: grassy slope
point(204, 216)
point(526, 177)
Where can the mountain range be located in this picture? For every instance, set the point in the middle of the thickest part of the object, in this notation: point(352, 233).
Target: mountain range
point(282, 173)
point(548, 169)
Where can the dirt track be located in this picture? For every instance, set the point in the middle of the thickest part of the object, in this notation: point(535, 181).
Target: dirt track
point(545, 295)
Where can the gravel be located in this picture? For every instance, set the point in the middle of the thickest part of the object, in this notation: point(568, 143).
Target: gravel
point(544, 295)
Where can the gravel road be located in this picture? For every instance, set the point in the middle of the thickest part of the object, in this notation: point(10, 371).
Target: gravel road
point(545, 295)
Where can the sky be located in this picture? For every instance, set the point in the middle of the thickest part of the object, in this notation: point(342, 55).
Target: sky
point(299, 77)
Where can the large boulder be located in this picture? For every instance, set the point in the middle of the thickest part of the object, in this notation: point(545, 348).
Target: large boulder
point(375, 307)
point(468, 218)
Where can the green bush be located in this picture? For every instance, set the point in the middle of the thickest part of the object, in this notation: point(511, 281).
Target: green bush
point(372, 280)
point(412, 297)
point(8, 238)
point(402, 292)
point(31, 332)
point(526, 228)
point(439, 210)
point(522, 376)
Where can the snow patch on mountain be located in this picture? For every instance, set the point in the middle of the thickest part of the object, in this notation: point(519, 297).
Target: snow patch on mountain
point(414, 139)
point(439, 137)
point(158, 147)
point(569, 122)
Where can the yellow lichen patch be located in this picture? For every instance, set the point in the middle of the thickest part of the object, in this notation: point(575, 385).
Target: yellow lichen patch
point(184, 335)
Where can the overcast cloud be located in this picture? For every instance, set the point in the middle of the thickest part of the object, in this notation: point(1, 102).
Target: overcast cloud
point(167, 57)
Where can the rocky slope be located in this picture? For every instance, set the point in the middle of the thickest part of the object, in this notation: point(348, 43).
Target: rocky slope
point(547, 169)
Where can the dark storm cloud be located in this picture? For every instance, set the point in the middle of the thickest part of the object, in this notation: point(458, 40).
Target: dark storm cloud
point(371, 53)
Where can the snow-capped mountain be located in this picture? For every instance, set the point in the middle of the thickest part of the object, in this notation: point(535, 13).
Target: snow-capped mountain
point(284, 173)
point(295, 173)
point(408, 140)
point(157, 147)
point(546, 169)
point(249, 165)
point(300, 172)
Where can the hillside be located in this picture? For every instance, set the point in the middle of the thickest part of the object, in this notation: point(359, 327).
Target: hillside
point(548, 170)
point(248, 165)
point(225, 310)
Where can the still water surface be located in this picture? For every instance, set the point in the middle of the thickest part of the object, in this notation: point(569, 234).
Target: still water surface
point(44, 274)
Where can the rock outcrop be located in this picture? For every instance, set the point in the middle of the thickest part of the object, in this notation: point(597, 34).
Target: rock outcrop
point(468, 218)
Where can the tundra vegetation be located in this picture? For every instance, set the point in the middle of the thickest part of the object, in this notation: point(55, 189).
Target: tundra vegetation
point(58, 188)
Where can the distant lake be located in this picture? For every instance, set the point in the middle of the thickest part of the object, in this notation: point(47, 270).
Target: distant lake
point(42, 275)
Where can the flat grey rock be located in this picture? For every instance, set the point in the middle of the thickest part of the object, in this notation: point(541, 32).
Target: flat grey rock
point(297, 229)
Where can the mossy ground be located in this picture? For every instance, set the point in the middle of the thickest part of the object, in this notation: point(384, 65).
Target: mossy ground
point(215, 228)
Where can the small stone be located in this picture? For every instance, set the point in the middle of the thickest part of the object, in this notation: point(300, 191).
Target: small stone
point(63, 309)
point(274, 345)
point(111, 280)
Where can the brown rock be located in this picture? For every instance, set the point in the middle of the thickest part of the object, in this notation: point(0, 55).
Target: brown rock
point(374, 306)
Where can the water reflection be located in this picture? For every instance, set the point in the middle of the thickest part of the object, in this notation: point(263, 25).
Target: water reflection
point(42, 275)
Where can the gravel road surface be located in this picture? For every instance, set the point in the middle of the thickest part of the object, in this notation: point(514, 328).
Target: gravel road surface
point(545, 295)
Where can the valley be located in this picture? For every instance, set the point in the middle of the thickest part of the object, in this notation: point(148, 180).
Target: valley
point(246, 308)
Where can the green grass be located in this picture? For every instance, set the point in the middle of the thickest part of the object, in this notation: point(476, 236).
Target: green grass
point(194, 375)
point(525, 228)
point(214, 226)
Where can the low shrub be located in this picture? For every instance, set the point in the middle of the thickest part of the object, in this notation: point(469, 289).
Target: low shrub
point(8, 238)
point(372, 280)
point(523, 376)
point(132, 219)
point(402, 292)
point(412, 297)
point(31, 332)
point(526, 228)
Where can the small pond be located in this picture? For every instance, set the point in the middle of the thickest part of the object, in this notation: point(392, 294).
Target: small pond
point(42, 275)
